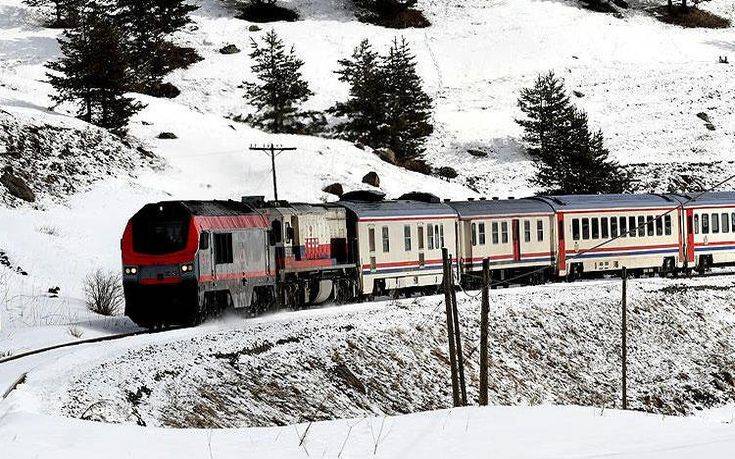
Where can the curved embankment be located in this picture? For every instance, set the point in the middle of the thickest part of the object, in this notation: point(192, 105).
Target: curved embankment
point(550, 344)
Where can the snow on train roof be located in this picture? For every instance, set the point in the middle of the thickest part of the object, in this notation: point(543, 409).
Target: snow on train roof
point(364, 209)
point(608, 201)
point(501, 207)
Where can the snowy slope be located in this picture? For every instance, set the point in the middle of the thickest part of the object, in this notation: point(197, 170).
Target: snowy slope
point(505, 432)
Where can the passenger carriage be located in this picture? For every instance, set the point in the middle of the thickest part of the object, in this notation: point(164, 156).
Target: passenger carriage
point(517, 235)
point(399, 243)
point(638, 239)
point(709, 239)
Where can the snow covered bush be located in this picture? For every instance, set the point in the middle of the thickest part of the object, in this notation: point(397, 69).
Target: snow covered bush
point(103, 292)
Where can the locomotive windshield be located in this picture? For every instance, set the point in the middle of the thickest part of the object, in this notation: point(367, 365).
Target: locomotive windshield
point(159, 229)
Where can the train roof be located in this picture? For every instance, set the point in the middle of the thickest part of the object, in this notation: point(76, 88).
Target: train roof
point(713, 198)
point(608, 201)
point(397, 208)
point(501, 207)
point(217, 208)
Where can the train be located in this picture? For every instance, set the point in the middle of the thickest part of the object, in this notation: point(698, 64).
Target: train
point(184, 261)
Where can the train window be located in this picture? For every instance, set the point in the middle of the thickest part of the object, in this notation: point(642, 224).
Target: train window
point(204, 240)
point(439, 230)
point(659, 226)
point(732, 221)
point(585, 228)
point(614, 226)
point(495, 232)
point(595, 228)
point(526, 230)
point(222, 248)
point(667, 224)
point(650, 225)
point(715, 222)
point(696, 224)
point(604, 229)
point(504, 232)
point(705, 223)
point(481, 234)
point(641, 227)
point(386, 239)
point(575, 229)
point(407, 237)
point(624, 227)
point(725, 224)
point(474, 234)
point(539, 230)
point(430, 236)
point(371, 239)
point(421, 237)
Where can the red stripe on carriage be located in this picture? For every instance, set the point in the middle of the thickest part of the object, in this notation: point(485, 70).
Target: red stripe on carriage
point(230, 221)
point(230, 276)
point(620, 249)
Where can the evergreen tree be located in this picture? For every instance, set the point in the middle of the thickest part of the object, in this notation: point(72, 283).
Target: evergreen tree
point(548, 111)
point(407, 107)
point(281, 89)
point(364, 109)
point(149, 24)
point(582, 165)
point(93, 73)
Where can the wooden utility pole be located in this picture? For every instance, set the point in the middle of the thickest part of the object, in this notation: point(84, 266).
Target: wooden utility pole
point(450, 325)
point(272, 149)
point(625, 338)
point(458, 341)
point(484, 312)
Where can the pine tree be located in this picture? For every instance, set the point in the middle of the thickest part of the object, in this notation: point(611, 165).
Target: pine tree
point(547, 109)
point(281, 89)
point(149, 24)
point(93, 73)
point(364, 109)
point(407, 106)
point(582, 165)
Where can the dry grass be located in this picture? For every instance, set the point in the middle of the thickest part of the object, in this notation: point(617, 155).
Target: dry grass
point(691, 18)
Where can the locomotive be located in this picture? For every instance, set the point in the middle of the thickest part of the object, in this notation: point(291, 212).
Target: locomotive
point(186, 260)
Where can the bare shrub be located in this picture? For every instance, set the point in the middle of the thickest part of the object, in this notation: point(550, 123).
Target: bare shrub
point(103, 292)
point(75, 331)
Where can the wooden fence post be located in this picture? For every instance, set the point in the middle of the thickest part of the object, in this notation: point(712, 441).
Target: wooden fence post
point(458, 342)
point(484, 312)
point(450, 325)
point(625, 338)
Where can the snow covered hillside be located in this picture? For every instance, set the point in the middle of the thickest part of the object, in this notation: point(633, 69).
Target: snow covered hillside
point(556, 344)
point(641, 81)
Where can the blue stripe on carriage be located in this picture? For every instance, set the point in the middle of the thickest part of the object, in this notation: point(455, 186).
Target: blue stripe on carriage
point(572, 255)
point(709, 248)
point(509, 261)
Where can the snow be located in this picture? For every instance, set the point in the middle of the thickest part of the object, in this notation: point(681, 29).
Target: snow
point(643, 83)
point(542, 431)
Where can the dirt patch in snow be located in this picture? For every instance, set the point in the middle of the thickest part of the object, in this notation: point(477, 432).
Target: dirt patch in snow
point(550, 344)
point(55, 161)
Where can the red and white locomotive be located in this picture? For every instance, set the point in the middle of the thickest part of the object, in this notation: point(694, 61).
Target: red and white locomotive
point(185, 259)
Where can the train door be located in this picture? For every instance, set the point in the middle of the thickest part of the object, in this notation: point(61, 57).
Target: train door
point(690, 236)
point(516, 229)
point(206, 262)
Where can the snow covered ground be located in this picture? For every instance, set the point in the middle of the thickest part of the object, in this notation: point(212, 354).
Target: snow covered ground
point(518, 432)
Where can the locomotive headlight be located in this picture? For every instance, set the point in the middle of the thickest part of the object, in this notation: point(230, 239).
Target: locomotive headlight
point(187, 268)
point(130, 270)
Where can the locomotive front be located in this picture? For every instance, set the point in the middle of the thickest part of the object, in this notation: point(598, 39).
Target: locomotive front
point(159, 248)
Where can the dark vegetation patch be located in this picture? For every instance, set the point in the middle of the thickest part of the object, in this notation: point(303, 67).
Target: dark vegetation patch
point(690, 17)
point(266, 12)
point(678, 177)
point(402, 19)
